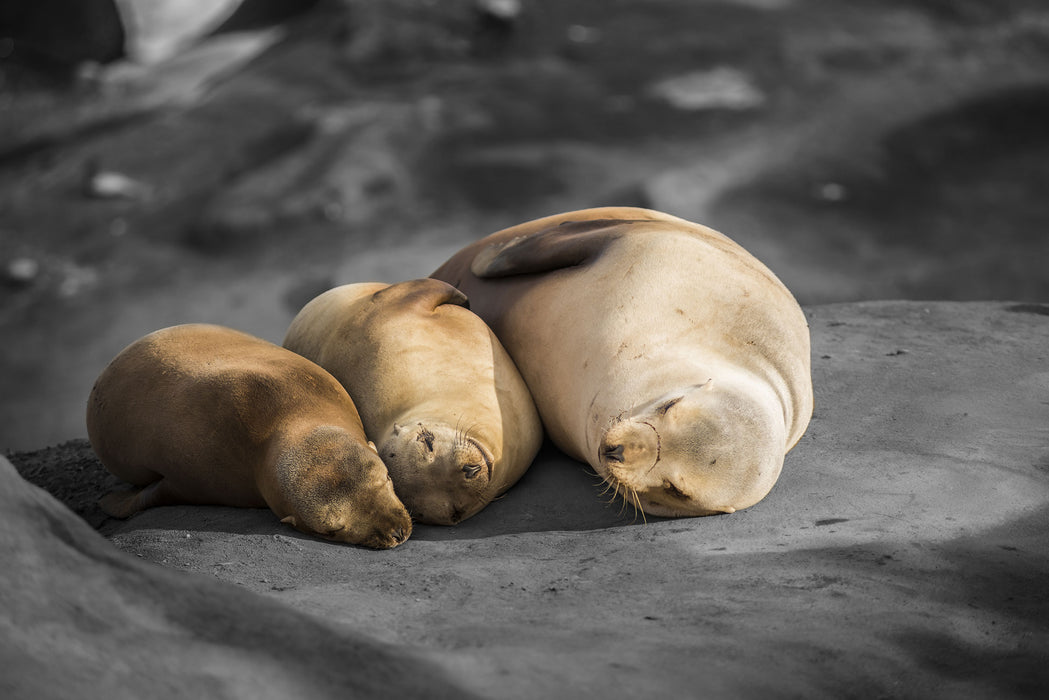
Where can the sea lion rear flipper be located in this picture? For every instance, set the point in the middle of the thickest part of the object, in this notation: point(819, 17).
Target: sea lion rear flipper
point(427, 293)
point(126, 502)
point(568, 244)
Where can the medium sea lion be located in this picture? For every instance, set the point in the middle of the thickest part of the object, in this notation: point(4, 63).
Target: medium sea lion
point(656, 349)
point(437, 392)
point(209, 415)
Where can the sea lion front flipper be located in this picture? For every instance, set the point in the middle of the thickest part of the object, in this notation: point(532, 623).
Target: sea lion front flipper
point(426, 293)
point(126, 502)
point(120, 504)
point(566, 245)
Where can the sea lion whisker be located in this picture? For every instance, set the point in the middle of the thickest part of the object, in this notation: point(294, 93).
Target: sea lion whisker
point(626, 500)
point(638, 508)
point(613, 484)
point(633, 506)
point(610, 484)
point(462, 435)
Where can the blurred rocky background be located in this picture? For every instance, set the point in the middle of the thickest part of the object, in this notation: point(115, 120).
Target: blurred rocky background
point(178, 160)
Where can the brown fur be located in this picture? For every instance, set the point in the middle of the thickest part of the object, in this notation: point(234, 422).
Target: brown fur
point(203, 414)
point(452, 417)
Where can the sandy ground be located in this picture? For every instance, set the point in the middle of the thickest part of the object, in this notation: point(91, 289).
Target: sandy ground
point(903, 552)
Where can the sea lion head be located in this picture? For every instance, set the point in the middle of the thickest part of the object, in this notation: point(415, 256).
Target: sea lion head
point(440, 472)
point(714, 447)
point(334, 486)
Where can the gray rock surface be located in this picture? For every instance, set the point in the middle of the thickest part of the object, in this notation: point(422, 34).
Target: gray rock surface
point(80, 619)
point(903, 553)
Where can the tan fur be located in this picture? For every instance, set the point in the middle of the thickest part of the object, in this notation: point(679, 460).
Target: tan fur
point(209, 415)
point(656, 349)
point(437, 392)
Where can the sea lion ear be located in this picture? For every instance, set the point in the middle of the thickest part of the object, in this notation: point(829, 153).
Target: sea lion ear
point(426, 293)
point(568, 244)
point(374, 448)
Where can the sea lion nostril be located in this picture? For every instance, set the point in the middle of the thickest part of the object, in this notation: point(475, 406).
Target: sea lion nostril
point(613, 453)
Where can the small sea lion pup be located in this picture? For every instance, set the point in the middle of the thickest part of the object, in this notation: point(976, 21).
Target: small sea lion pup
point(656, 349)
point(437, 392)
point(202, 414)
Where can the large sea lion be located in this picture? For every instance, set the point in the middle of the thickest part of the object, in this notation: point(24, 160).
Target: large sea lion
point(209, 415)
point(437, 392)
point(657, 350)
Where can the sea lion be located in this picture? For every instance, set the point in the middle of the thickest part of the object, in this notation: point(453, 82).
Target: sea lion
point(204, 414)
point(454, 421)
point(657, 350)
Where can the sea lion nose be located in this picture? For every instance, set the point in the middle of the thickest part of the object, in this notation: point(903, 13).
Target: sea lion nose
point(630, 445)
point(391, 537)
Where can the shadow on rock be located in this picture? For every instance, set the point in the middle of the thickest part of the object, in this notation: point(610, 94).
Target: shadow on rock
point(557, 493)
point(999, 590)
